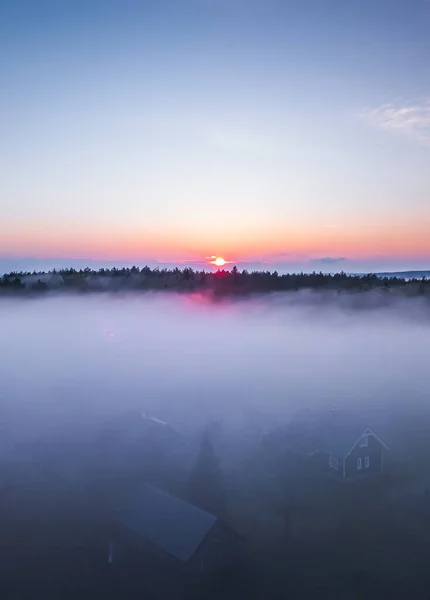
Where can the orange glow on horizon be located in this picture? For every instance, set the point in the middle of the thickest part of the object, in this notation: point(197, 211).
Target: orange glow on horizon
point(294, 242)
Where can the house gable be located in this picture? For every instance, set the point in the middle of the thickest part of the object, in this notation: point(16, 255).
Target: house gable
point(365, 458)
point(366, 433)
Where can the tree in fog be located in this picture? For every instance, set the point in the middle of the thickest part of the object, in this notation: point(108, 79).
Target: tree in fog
point(223, 282)
point(205, 488)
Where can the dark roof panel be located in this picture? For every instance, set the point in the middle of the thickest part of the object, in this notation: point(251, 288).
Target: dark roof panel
point(170, 523)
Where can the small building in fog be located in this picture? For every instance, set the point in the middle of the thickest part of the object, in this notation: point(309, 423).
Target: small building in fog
point(172, 533)
point(339, 445)
point(136, 444)
point(351, 454)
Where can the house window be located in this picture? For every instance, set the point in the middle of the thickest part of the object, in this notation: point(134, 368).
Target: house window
point(364, 441)
point(334, 462)
point(366, 462)
point(359, 464)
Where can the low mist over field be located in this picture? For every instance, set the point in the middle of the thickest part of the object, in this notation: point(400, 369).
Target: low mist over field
point(209, 400)
point(68, 360)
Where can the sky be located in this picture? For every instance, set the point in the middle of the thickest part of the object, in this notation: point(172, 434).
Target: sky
point(270, 132)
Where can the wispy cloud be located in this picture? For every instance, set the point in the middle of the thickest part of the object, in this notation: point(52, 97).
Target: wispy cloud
point(329, 260)
point(409, 119)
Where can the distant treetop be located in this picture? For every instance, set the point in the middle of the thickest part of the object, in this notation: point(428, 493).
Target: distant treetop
point(220, 283)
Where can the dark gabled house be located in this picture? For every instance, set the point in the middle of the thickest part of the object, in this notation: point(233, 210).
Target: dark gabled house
point(137, 442)
point(135, 428)
point(339, 444)
point(154, 523)
point(354, 451)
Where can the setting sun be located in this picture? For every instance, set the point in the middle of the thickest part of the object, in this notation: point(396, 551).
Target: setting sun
point(218, 261)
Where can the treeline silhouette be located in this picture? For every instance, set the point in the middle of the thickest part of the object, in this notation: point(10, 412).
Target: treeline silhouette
point(221, 282)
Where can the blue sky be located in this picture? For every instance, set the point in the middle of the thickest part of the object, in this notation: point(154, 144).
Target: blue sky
point(255, 130)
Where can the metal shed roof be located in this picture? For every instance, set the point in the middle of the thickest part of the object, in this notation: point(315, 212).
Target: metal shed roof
point(170, 523)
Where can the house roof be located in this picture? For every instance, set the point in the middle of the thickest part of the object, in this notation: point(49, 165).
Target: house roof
point(340, 438)
point(170, 523)
point(335, 433)
point(134, 429)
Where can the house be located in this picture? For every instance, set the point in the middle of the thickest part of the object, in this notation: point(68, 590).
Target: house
point(340, 444)
point(354, 452)
point(135, 440)
point(154, 523)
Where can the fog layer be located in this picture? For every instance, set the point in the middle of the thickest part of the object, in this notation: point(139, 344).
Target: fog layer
point(68, 361)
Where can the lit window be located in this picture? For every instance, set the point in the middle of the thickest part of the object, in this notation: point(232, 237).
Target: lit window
point(334, 462)
point(366, 462)
point(364, 441)
point(359, 464)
